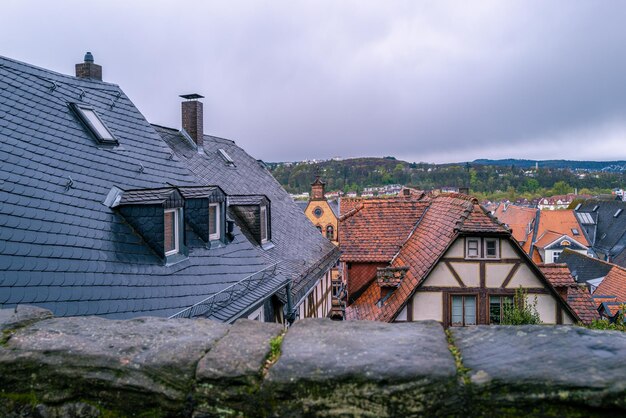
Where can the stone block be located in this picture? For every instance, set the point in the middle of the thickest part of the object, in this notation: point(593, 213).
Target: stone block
point(21, 316)
point(362, 368)
point(544, 370)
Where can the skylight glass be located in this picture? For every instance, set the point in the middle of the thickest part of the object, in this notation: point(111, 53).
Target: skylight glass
point(617, 213)
point(575, 231)
point(585, 218)
point(91, 119)
point(578, 206)
point(226, 157)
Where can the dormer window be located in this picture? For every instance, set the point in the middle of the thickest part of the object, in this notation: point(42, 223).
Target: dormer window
point(263, 226)
point(215, 226)
point(92, 121)
point(171, 238)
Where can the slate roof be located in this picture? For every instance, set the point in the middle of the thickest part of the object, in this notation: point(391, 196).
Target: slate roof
point(582, 267)
point(61, 248)
point(443, 219)
point(608, 234)
point(577, 296)
point(376, 229)
point(303, 253)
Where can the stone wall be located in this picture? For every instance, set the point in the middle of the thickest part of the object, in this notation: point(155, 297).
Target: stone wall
point(89, 366)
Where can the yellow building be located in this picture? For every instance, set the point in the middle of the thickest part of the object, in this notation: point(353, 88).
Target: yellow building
point(323, 214)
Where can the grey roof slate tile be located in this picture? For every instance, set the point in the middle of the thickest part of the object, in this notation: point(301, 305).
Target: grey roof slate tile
point(60, 247)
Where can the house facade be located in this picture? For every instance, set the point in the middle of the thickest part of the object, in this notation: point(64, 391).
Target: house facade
point(324, 214)
point(454, 264)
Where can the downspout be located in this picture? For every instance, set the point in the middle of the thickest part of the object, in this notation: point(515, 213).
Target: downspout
point(291, 315)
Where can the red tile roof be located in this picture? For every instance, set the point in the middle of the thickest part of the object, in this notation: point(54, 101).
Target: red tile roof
point(375, 229)
point(575, 295)
point(446, 216)
point(614, 284)
point(518, 219)
point(560, 222)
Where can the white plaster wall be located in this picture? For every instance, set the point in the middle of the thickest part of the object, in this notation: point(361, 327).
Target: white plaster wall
point(524, 277)
point(441, 276)
point(468, 272)
point(546, 306)
point(428, 305)
point(567, 320)
point(456, 250)
point(401, 316)
point(496, 273)
point(507, 250)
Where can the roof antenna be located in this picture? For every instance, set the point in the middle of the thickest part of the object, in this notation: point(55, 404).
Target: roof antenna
point(69, 184)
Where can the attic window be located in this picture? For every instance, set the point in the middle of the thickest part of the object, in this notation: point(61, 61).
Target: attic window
point(226, 157)
point(90, 118)
point(263, 225)
point(214, 221)
point(617, 213)
point(575, 231)
point(171, 241)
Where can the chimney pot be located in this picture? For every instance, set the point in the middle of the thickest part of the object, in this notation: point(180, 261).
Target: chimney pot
point(88, 69)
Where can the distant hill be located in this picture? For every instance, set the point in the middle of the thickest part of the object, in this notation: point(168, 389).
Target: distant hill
point(483, 176)
point(558, 164)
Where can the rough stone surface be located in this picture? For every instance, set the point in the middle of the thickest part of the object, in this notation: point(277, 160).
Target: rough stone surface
point(363, 368)
point(145, 361)
point(544, 370)
point(93, 367)
point(22, 315)
point(229, 376)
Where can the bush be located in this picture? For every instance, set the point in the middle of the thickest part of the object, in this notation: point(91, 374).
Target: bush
point(618, 325)
point(520, 311)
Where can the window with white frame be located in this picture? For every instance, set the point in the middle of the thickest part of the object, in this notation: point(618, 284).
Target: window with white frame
point(214, 221)
point(171, 239)
point(555, 256)
point(263, 226)
point(473, 247)
point(96, 125)
point(463, 310)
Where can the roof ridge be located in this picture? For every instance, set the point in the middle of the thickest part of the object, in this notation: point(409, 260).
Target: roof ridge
point(352, 212)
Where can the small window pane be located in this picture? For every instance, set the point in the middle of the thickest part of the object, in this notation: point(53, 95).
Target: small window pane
point(491, 248)
point(170, 232)
point(263, 224)
point(457, 310)
point(330, 232)
point(470, 310)
point(495, 310)
point(214, 222)
point(472, 248)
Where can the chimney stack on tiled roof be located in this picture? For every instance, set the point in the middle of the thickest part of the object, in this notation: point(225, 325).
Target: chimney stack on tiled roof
point(193, 117)
point(89, 69)
point(389, 279)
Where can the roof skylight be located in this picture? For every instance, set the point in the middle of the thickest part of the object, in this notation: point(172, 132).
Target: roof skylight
point(585, 218)
point(618, 212)
point(575, 231)
point(578, 206)
point(226, 157)
point(91, 119)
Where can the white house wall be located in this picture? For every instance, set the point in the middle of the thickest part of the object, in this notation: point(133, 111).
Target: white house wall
point(428, 305)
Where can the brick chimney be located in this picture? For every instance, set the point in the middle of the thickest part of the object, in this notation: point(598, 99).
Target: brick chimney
point(317, 189)
point(193, 117)
point(88, 69)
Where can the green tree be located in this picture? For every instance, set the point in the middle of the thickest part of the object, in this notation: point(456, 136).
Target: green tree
point(520, 311)
point(561, 187)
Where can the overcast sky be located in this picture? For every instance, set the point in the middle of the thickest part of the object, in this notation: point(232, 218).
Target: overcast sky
point(289, 80)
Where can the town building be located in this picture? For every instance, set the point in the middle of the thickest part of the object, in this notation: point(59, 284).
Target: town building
point(442, 258)
point(604, 226)
point(105, 214)
point(323, 213)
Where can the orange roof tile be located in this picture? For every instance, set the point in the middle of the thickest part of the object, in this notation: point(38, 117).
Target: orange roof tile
point(561, 222)
point(447, 215)
point(577, 296)
point(518, 219)
point(375, 229)
point(614, 284)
